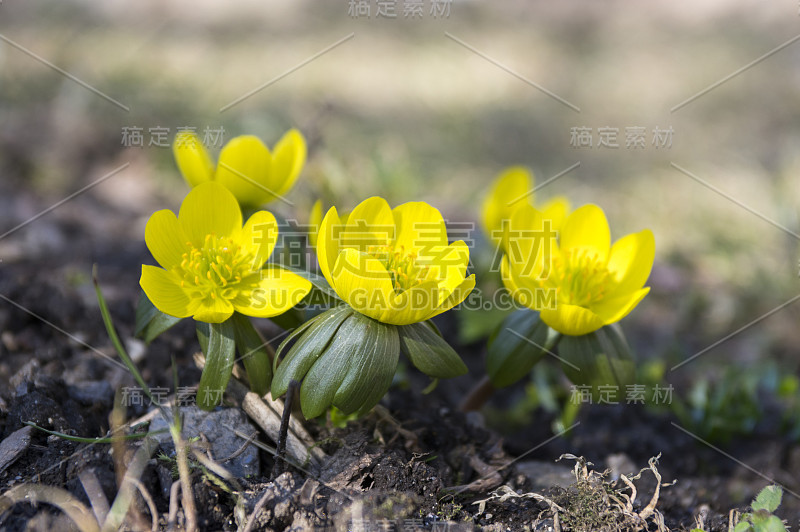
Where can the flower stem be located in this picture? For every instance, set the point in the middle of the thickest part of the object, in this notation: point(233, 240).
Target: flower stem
point(483, 390)
point(477, 396)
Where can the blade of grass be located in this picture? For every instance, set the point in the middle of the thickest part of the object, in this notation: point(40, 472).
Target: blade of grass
point(123, 354)
point(105, 439)
point(127, 489)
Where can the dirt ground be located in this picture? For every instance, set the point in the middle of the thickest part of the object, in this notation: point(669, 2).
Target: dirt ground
point(425, 465)
point(407, 110)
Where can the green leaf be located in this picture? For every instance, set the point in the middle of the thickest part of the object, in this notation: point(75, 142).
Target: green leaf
point(220, 351)
point(339, 419)
point(600, 358)
point(478, 323)
point(742, 526)
point(517, 346)
point(567, 417)
point(329, 370)
point(343, 359)
point(253, 354)
point(203, 330)
point(312, 339)
point(773, 524)
point(768, 499)
point(151, 322)
point(429, 352)
point(369, 372)
point(430, 387)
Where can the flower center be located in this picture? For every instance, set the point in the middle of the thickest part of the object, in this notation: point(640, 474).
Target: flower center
point(579, 277)
point(402, 267)
point(215, 269)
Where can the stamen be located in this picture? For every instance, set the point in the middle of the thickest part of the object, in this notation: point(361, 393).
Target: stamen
point(215, 267)
point(579, 277)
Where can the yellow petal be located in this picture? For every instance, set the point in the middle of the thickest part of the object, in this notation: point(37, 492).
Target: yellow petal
point(244, 166)
point(328, 243)
point(571, 320)
point(507, 277)
point(314, 220)
point(213, 310)
point(370, 224)
point(363, 283)
point(586, 228)
point(276, 291)
point(163, 289)
point(527, 290)
point(209, 209)
point(458, 295)
point(288, 158)
point(449, 265)
point(165, 239)
point(613, 309)
point(192, 158)
point(509, 192)
point(420, 228)
point(260, 233)
point(556, 210)
point(530, 241)
point(631, 260)
point(416, 304)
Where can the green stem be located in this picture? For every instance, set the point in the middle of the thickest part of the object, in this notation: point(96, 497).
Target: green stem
point(483, 390)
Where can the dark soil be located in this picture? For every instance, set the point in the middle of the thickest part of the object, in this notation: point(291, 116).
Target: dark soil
point(427, 476)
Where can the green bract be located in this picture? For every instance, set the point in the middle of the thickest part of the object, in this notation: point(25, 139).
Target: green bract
point(517, 346)
point(600, 358)
point(347, 360)
point(389, 271)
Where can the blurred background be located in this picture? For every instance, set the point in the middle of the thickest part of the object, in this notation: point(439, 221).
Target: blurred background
point(430, 106)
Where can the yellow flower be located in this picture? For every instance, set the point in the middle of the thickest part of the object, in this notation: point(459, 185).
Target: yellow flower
point(315, 219)
point(512, 189)
point(211, 266)
point(393, 265)
point(579, 282)
point(246, 167)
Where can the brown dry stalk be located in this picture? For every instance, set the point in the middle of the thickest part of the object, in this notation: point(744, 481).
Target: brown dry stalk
point(95, 494)
point(60, 498)
point(151, 505)
point(187, 497)
point(172, 518)
point(267, 412)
